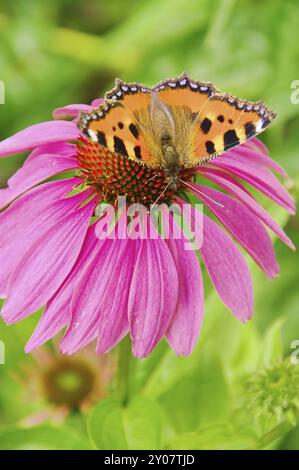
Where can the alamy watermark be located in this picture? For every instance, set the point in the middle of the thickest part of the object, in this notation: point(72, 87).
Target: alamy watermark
point(295, 354)
point(295, 94)
point(136, 221)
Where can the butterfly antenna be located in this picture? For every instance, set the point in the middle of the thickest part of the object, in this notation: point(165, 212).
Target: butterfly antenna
point(163, 192)
point(202, 193)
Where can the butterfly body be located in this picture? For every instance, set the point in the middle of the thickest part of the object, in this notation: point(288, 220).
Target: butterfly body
point(177, 124)
point(169, 133)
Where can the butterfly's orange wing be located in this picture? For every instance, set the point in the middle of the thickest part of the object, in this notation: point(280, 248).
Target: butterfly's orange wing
point(113, 124)
point(222, 120)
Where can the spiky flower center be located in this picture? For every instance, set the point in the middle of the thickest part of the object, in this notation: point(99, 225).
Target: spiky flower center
point(114, 175)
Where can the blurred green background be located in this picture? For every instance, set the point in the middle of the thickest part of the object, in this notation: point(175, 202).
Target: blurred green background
point(239, 388)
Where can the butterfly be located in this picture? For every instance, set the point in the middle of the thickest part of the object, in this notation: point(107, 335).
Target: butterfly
point(177, 124)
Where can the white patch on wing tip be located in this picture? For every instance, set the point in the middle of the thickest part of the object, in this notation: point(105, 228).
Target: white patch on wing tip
point(259, 124)
point(93, 135)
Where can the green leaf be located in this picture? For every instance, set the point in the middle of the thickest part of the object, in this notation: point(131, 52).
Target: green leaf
point(105, 426)
point(136, 426)
point(242, 355)
point(142, 422)
point(291, 440)
point(42, 438)
point(272, 344)
point(171, 368)
point(200, 397)
point(218, 437)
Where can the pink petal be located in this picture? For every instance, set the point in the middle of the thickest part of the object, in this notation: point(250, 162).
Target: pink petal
point(185, 325)
point(220, 178)
point(64, 149)
point(88, 295)
point(257, 144)
point(73, 110)
point(113, 318)
point(204, 170)
point(26, 219)
point(243, 225)
point(259, 177)
point(153, 295)
point(97, 102)
point(39, 134)
point(227, 269)
point(257, 157)
point(37, 168)
point(57, 313)
point(70, 111)
point(48, 261)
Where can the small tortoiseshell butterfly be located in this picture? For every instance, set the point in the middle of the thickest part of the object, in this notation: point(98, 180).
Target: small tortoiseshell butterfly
point(177, 124)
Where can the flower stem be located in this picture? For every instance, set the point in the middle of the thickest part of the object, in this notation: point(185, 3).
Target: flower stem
point(275, 433)
point(124, 371)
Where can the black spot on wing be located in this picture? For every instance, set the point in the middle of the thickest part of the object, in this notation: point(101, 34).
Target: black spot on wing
point(137, 151)
point(230, 139)
point(266, 123)
point(101, 138)
point(120, 125)
point(210, 147)
point(134, 130)
point(206, 125)
point(249, 129)
point(119, 146)
point(220, 118)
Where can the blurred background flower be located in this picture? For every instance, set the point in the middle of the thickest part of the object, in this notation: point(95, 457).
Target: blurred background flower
point(65, 51)
point(62, 385)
